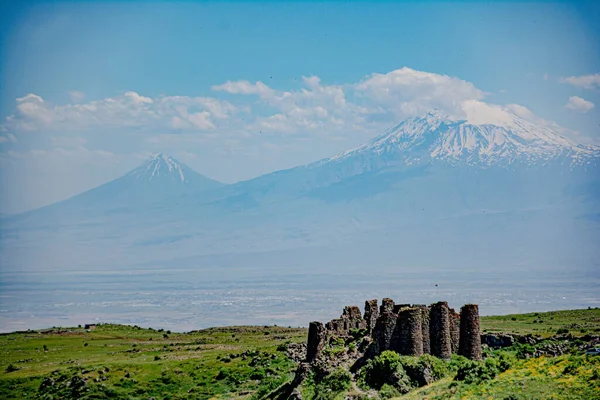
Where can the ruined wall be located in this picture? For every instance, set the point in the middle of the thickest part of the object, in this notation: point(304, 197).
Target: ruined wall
point(316, 340)
point(412, 330)
point(454, 330)
point(371, 314)
point(425, 328)
point(407, 338)
point(470, 339)
point(384, 330)
point(439, 330)
point(387, 304)
point(353, 318)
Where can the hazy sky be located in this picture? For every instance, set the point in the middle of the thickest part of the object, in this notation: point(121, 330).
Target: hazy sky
point(89, 89)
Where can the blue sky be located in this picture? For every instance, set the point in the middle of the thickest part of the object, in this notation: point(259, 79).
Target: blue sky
point(89, 89)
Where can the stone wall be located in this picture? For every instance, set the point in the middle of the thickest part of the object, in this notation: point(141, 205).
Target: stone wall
point(454, 330)
point(371, 314)
point(384, 330)
point(387, 304)
point(407, 338)
point(425, 328)
point(439, 330)
point(408, 330)
point(470, 339)
point(317, 336)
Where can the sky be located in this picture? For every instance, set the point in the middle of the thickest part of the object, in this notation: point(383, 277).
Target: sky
point(88, 90)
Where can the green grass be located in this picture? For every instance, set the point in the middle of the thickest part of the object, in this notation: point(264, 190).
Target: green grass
point(119, 361)
point(564, 377)
point(576, 322)
point(125, 362)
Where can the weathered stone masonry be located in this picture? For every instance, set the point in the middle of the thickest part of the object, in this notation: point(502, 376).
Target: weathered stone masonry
point(470, 339)
point(408, 330)
point(439, 330)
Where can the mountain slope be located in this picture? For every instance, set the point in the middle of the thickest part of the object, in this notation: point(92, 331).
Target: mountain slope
point(161, 181)
point(421, 145)
point(422, 182)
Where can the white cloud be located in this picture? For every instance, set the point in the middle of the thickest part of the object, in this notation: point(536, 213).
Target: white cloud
point(407, 92)
point(128, 111)
point(8, 138)
point(365, 108)
point(245, 87)
point(591, 81)
point(576, 103)
point(76, 96)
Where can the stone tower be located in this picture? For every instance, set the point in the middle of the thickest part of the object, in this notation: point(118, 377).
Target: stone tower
point(408, 335)
point(371, 314)
point(470, 339)
point(439, 330)
point(454, 330)
point(316, 340)
point(425, 329)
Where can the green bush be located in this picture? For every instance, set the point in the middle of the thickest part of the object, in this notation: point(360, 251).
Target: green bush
point(478, 371)
point(378, 371)
point(11, 368)
point(388, 392)
point(336, 382)
point(417, 368)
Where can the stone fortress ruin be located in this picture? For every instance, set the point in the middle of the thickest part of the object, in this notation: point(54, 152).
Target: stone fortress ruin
point(407, 329)
point(411, 330)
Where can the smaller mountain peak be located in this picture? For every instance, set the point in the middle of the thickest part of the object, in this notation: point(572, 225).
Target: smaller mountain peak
point(160, 165)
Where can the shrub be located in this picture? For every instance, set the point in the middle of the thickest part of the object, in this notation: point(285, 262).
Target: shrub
point(505, 360)
point(562, 331)
point(378, 370)
point(336, 382)
point(478, 371)
point(11, 368)
point(388, 392)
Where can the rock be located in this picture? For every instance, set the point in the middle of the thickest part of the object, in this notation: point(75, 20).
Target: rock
point(295, 395)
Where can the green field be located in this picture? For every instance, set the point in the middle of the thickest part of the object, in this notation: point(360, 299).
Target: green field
point(117, 361)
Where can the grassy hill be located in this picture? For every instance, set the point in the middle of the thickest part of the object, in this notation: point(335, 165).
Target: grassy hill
point(117, 361)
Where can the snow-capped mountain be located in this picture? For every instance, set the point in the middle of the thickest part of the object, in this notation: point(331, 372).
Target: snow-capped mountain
point(161, 167)
point(423, 181)
point(435, 137)
point(161, 181)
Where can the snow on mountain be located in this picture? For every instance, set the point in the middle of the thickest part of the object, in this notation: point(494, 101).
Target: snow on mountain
point(435, 137)
point(159, 165)
point(161, 181)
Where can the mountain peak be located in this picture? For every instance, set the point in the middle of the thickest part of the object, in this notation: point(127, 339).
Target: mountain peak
point(437, 137)
point(159, 166)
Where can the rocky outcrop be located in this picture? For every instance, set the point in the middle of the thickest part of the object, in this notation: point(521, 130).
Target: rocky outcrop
point(497, 341)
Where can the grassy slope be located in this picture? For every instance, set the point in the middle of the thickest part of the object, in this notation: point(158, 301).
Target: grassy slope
point(180, 365)
point(190, 365)
point(577, 322)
